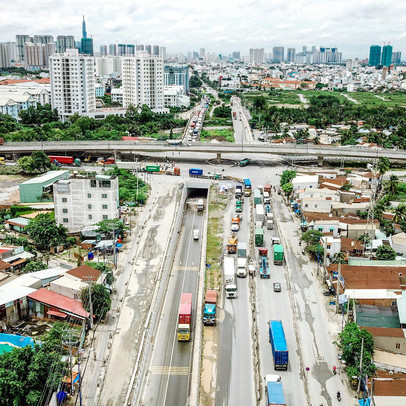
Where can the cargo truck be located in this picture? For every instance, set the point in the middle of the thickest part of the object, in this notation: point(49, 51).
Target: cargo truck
point(195, 172)
point(278, 343)
point(259, 213)
point(257, 197)
point(267, 188)
point(232, 245)
point(274, 391)
point(241, 267)
point(244, 162)
point(267, 198)
point(200, 205)
point(238, 191)
point(259, 237)
point(66, 160)
point(278, 257)
point(242, 250)
point(229, 278)
point(209, 314)
point(269, 224)
point(264, 269)
point(185, 317)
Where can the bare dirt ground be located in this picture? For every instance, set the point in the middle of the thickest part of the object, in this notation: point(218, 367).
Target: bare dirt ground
point(9, 192)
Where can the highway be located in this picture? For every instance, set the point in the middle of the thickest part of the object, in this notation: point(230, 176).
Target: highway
point(168, 375)
point(197, 148)
point(277, 306)
point(242, 130)
point(235, 379)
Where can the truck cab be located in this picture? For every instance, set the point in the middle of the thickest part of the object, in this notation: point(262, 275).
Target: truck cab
point(200, 205)
point(241, 267)
point(209, 314)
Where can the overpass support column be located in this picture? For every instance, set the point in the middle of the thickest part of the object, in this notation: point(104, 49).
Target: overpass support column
point(218, 160)
point(320, 161)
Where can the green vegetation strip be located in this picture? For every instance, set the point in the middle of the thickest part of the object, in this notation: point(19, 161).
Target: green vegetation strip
point(214, 250)
point(219, 135)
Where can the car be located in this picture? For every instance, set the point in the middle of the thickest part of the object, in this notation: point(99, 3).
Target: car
point(277, 287)
point(195, 234)
point(235, 227)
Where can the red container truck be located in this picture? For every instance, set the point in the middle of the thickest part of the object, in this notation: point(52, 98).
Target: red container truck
point(185, 317)
point(61, 159)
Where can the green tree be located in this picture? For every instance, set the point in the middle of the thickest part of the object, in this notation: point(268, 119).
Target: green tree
point(400, 213)
point(101, 301)
point(34, 266)
point(350, 343)
point(392, 186)
point(38, 162)
point(383, 167)
point(385, 252)
point(346, 187)
point(259, 102)
point(287, 189)
point(311, 236)
point(45, 232)
point(387, 228)
point(365, 238)
point(111, 225)
point(287, 176)
point(195, 81)
point(339, 258)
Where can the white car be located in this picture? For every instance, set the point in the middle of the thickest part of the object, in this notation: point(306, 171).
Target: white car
point(235, 227)
point(195, 234)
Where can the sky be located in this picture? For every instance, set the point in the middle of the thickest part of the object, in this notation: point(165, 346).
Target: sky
point(219, 26)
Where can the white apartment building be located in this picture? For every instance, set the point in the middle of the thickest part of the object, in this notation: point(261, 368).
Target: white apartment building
point(72, 83)
point(85, 200)
point(174, 96)
point(143, 81)
point(108, 65)
point(8, 54)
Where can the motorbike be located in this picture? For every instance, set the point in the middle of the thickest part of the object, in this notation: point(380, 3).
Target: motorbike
point(339, 396)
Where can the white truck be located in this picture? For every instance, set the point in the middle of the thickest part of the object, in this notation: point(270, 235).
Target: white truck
point(267, 198)
point(242, 267)
point(242, 250)
point(259, 213)
point(229, 277)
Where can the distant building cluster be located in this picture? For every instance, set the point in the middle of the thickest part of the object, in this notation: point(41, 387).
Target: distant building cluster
point(383, 56)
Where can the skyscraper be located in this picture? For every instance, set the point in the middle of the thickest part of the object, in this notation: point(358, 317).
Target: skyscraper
point(155, 50)
point(202, 53)
point(43, 39)
point(64, 42)
point(113, 49)
point(290, 57)
point(256, 56)
point(236, 55)
point(374, 55)
point(396, 57)
point(20, 41)
point(8, 54)
point(143, 81)
point(72, 83)
point(86, 44)
point(278, 54)
point(177, 75)
point(103, 50)
point(387, 55)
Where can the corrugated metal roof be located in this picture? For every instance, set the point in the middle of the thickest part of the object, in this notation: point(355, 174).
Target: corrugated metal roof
point(61, 302)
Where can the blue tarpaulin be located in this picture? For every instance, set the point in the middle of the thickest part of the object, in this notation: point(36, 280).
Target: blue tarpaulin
point(366, 402)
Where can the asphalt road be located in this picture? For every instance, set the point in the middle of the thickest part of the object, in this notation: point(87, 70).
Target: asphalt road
point(242, 133)
point(235, 379)
point(276, 306)
point(169, 371)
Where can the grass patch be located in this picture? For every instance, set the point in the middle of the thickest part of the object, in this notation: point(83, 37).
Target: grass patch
point(219, 135)
point(217, 204)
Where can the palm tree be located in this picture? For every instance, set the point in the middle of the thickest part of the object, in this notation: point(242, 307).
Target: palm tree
point(382, 167)
point(400, 213)
point(392, 187)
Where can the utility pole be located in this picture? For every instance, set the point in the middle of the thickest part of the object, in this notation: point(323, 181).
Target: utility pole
point(338, 288)
point(70, 361)
point(360, 366)
point(90, 303)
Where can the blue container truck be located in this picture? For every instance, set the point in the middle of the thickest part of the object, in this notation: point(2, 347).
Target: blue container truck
point(195, 172)
point(278, 342)
point(274, 394)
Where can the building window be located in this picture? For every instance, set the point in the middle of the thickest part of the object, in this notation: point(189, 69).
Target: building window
point(64, 200)
point(104, 196)
point(89, 195)
point(64, 211)
point(89, 216)
point(104, 206)
point(93, 183)
point(105, 217)
point(398, 346)
point(89, 206)
point(65, 220)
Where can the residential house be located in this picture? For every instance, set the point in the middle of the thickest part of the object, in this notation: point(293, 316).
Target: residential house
point(16, 224)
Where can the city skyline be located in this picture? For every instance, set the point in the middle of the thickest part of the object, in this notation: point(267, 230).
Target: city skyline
point(208, 27)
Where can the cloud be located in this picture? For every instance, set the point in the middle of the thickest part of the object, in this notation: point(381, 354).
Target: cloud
point(219, 26)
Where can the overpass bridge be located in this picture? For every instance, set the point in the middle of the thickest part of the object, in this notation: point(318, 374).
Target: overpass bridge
point(119, 148)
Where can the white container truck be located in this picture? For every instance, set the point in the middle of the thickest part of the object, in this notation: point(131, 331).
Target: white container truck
point(269, 224)
point(229, 278)
point(259, 213)
point(242, 250)
point(242, 267)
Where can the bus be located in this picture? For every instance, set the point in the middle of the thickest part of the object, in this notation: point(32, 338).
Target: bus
point(247, 187)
